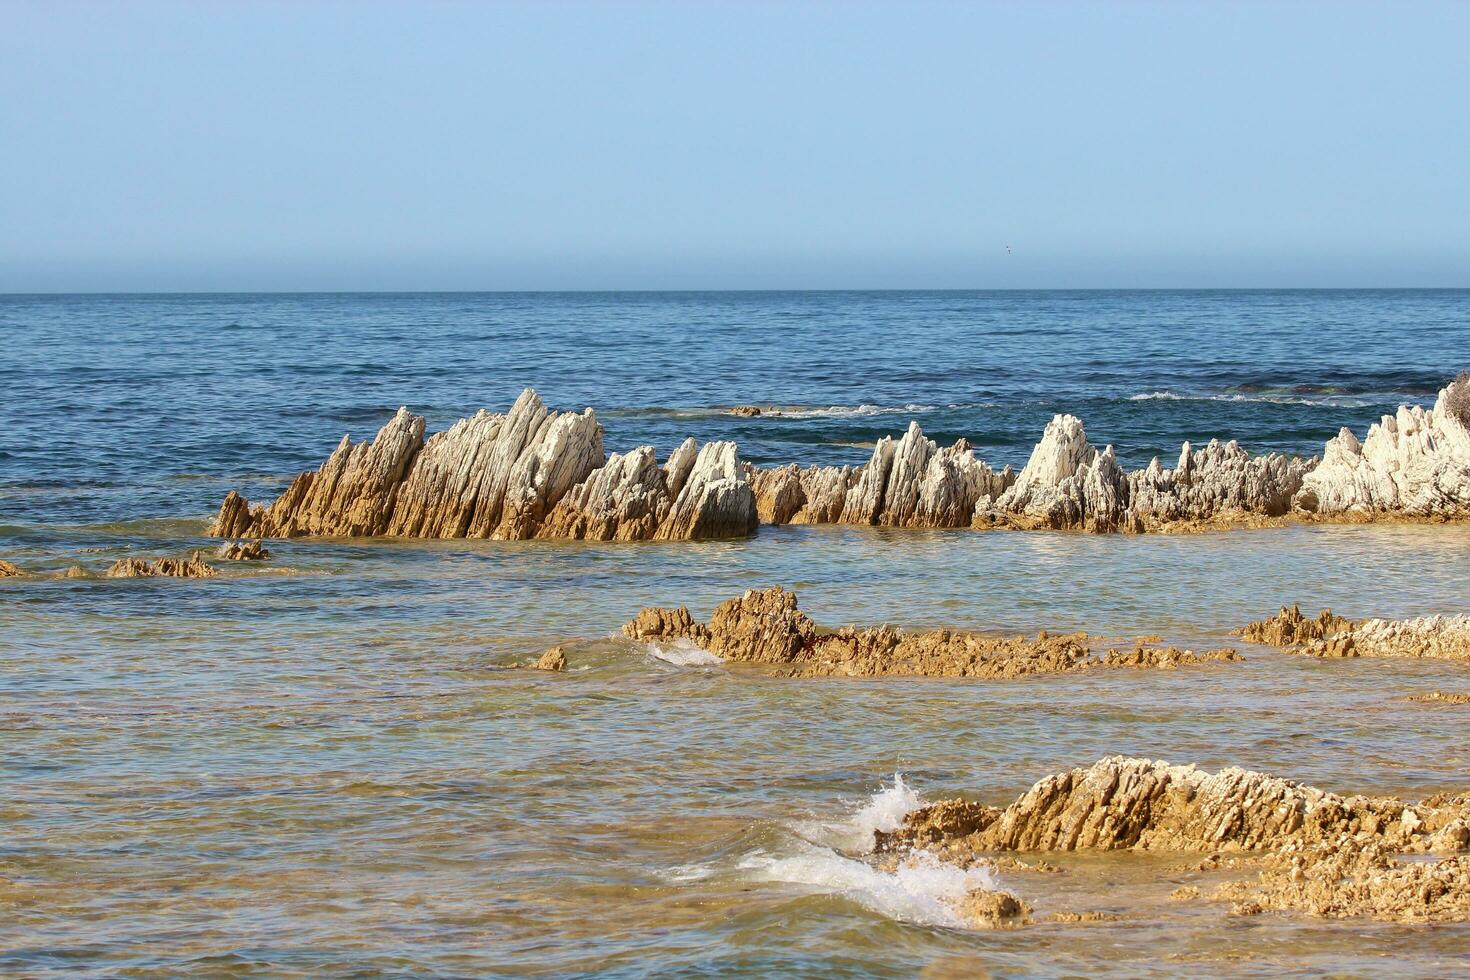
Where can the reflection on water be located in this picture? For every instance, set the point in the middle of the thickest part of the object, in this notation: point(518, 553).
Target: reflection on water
point(342, 769)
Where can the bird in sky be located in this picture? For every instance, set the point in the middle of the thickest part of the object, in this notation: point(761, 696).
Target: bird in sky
point(1008, 250)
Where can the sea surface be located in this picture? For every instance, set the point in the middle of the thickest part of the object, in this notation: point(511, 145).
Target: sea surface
point(334, 763)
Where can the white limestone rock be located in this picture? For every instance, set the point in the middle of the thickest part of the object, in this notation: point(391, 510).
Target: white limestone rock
point(1415, 463)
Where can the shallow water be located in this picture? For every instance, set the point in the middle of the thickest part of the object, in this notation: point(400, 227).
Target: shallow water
point(333, 763)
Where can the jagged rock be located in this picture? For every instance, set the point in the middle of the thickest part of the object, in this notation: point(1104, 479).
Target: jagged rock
point(745, 411)
point(778, 493)
point(242, 551)
point(1329, 636)
point(528, 473)
point(766, 627)
point(508, 476)
point(1219, 483)
point(1353, 877)
point(1441, 697)
point(1413, 463)
point(713, 501)
point(192, 567)
point(554, 659)
point(1140, 804)
point(1290, 628)
point(987, 908)
point(7, 570)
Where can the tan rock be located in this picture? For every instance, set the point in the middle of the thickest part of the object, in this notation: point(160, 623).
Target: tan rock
point(1329, 636)
point(554, 659)
point(745, 411)
point(766, 627)
point(987, 908)
point(1322, 854)
point(525, 474)
point(7, 570)
point(192, 567)
point(1441, 697)
point(242, 551)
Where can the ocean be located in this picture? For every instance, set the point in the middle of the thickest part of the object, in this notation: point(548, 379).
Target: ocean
point(333, 763)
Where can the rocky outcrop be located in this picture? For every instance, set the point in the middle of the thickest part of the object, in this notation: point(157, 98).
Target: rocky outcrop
point(1415, 463)
point(535, 473)
point(191, 567)
point(1441, 697)
point(554, 660)
point(7, 570)
point(908, 483)
point(530, 473)
point(1068, 484)
point(242, 551)
point(766, 627)
point(1329, 636)
point(1324, 854)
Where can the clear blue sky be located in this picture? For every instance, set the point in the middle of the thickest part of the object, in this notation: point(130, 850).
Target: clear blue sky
point(216, 145)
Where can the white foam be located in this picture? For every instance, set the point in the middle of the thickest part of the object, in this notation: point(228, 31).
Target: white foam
point(884, 810)
point(841, 411)
point(683, 653)
point(921, 890)
point(1322, 401)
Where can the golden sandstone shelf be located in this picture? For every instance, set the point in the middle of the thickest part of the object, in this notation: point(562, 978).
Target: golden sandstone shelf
point(537, 473)
point(1313, 851)
point(766, 627)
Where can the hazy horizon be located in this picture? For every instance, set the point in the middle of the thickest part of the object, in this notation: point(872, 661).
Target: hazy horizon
point(656, 146)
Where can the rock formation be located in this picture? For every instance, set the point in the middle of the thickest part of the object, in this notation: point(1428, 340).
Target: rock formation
point(766, 627)
point(1323, 854)
point(1414, 463)
point(192, 567)
point(554, 659)
point(1329, 636)
point(7, 570)
point(526, 474)
point(1441, 697)
point(535, 473)
point(242, 551)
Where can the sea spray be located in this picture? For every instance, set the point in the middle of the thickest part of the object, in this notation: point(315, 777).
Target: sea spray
point(682, 653)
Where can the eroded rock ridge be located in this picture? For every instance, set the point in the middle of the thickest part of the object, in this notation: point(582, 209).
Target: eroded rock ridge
point(1319, 853)
point(530, 473)
point(537, 473)
point(766, 627)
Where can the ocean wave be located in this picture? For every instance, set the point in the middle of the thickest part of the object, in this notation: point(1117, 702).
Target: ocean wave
point(683, 653)
point(848, 411)
point(921, 890)
point(884, 810)
point(1322, 401)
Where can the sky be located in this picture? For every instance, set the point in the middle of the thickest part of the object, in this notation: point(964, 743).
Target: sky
point(223, 145)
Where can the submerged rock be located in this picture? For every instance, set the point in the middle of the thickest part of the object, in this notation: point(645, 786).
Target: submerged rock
point(242, 551)
point(1329, 636)
point(766, 627)
point(988, 908)
point(745, 411)
point(1441, 697)
point(554, 659)
point(192, 567)
point(7, 570)
point(1324, 854)
point(530, 473)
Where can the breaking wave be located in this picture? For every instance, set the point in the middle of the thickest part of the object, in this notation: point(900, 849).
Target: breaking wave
point(826, 857)
point(683, 653)
point(1321, 401)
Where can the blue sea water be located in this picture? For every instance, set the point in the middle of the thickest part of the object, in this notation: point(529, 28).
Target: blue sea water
point(333, 763)
point(151, 406)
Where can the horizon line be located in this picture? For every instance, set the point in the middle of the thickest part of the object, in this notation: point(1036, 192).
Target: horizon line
point(727, 290)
